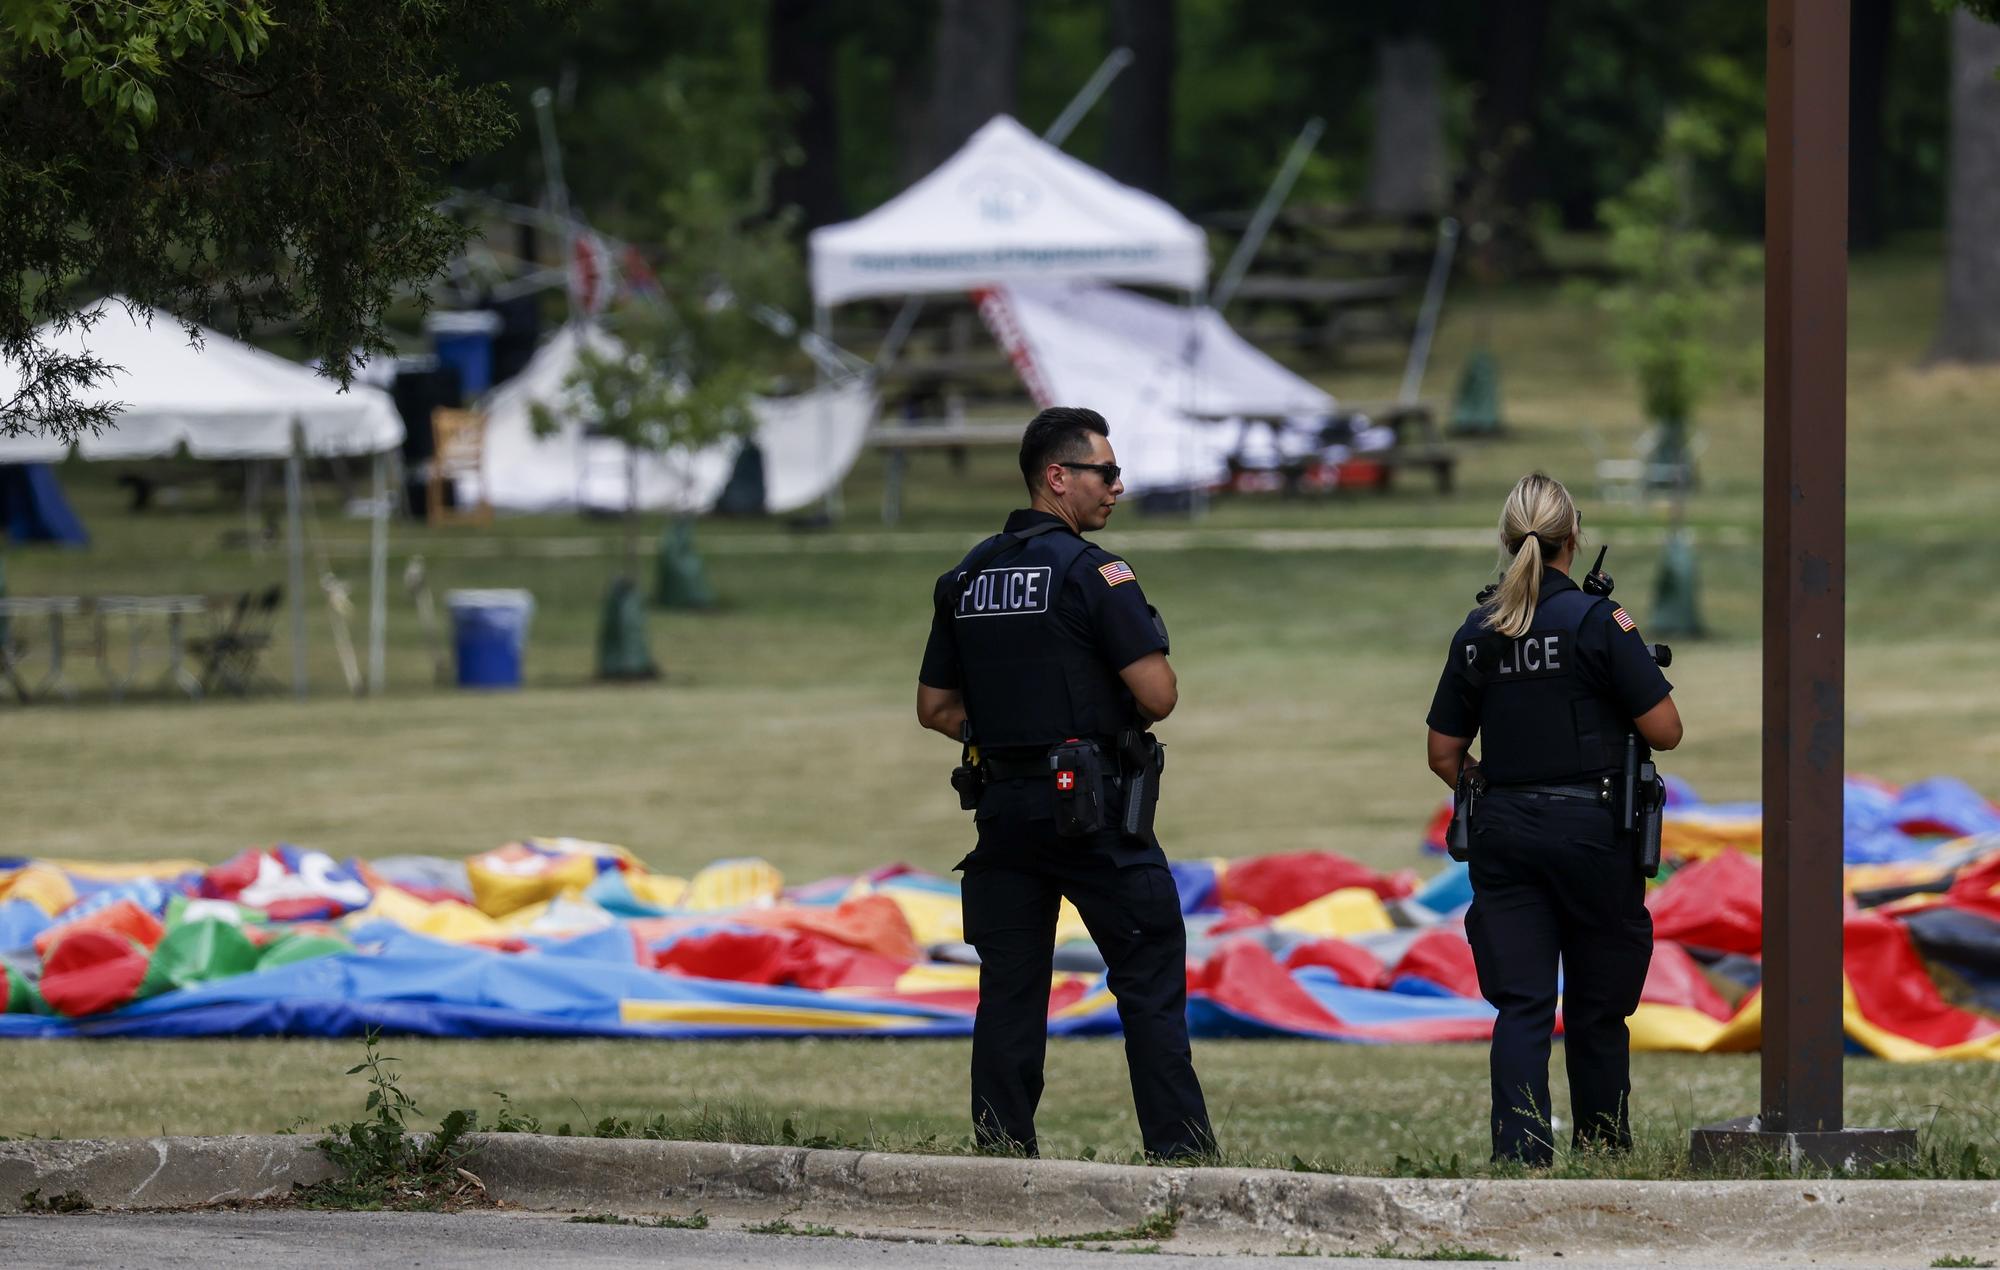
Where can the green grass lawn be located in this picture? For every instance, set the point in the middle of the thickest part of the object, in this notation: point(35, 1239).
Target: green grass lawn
point(785, 726)
point(1347, 1107)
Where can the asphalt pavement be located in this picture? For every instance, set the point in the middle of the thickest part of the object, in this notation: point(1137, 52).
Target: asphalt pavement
point(489, 1240)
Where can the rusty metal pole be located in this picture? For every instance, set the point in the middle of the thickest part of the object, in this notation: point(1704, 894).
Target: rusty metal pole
point(1805, 558)
point(1805, 577)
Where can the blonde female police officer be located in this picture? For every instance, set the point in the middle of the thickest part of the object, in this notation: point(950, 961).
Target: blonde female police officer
point(1043, 640)
point(1551, 680)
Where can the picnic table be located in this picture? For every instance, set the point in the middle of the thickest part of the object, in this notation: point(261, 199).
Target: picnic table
point(948, 433)
point(153, 630)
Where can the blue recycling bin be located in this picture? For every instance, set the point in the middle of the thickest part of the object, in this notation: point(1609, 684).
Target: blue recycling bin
point(464, 342)
point(489, 631)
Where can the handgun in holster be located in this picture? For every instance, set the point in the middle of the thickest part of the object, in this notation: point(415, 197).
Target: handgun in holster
point(1141, 760)
point(968, 778)
point(1642, 799)
point(1464, 802)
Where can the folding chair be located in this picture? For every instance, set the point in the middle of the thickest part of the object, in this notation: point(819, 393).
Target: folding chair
point(229, 657)
point(459, 449)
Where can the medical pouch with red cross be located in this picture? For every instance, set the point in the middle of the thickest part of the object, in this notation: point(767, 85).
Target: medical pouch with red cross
point(1080, 776)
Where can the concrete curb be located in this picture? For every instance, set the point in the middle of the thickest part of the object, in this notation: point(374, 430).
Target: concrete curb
point(159, 1172)
point(941, 1196)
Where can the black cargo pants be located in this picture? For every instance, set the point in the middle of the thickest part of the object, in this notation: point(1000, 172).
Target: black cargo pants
point(1015, 881)
point(1550, 883)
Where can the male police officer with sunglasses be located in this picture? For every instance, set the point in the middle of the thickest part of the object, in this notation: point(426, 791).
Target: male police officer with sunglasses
point(1047, 663)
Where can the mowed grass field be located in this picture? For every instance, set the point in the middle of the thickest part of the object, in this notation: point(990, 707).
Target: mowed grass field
point(1307, 635)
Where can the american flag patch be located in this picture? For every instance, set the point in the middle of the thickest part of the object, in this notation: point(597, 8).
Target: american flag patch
point(1115, 572)
point(1624, 619)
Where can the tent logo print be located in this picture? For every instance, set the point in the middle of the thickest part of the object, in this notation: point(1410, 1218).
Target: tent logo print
point(1001, 196)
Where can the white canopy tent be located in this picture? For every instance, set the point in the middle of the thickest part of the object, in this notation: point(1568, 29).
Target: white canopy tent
point(809, 442)
point(1008, 207)
point(1169, 378)
point(225, 399)
point(1011, 209)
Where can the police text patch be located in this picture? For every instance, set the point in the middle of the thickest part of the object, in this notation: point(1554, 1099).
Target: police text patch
point(1007, 592)
point(1115, 572)
point(1537, 655)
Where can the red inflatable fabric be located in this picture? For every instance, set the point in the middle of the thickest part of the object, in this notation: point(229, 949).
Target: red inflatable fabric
point(1895, 992)
point(790, 958)
point(1356, 966)
point(1675, 978)
point(124, 918)
point(872, 923)
point(1236, 916)
point(1978, 888)
point(1276, 884)
point(91, 971)
point(1716, 903)
point(1243, 976)
point(1442, 956)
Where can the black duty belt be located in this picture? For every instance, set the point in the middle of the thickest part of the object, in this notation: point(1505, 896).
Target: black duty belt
point(1016, 769)
point(1592, 793)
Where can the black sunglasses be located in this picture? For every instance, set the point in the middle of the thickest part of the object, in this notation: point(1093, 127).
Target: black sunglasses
point(1109, 471)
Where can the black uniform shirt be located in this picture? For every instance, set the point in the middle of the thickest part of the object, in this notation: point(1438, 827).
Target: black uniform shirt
point(1099, 604)
point(1611, 658)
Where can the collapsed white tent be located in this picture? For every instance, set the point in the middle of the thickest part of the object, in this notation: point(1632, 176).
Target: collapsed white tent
point(223, 399)
point(1174, 383)
point(809, 442)
point(1008, 207)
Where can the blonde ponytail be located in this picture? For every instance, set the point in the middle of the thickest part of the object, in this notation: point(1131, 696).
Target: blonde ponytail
point(1537, 519)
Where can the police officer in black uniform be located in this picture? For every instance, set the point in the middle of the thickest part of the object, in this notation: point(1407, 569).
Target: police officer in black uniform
point(1552, 680)
point(1043, 646)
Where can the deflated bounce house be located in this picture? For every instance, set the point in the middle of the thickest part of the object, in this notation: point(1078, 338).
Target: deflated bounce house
point(567, 938)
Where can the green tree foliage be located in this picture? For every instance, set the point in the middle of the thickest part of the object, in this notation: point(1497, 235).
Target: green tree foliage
point(280, 160)
point(1679, 282)
point(716, 335)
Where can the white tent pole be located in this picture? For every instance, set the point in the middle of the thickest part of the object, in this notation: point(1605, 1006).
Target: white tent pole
point(295, 549)
point(823, 410)
point(378, 578)
point(1057, 133)
point(558, 190)
point(1267, 211)
point(1086, 97)
point(1427, 318)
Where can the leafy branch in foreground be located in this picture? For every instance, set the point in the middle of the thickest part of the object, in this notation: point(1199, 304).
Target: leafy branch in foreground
point(185, 153)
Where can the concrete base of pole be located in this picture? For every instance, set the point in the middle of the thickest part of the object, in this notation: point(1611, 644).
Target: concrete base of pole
point(1744, 1140)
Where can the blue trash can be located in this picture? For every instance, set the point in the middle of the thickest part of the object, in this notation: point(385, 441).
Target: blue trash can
point(489, 630)
point(464, 342)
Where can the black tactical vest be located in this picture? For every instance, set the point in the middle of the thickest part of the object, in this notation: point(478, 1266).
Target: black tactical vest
point(1540, 720)
point(1030, 672)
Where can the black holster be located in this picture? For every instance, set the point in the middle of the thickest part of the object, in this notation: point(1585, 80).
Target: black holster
point(1141, 760)
point(1464, 802)
point(969, 777)
point(1081, 777)
point(1642, 804)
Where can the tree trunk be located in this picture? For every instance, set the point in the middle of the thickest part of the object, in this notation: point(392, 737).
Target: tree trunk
point(1872, 29)
point(1970, 331)
point(800, 73)
point(974, 71)
point(1139, 142)
point(1406, 167)
point(1501, 186)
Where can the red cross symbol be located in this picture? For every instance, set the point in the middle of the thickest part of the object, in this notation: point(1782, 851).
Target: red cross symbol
point(1065, 781)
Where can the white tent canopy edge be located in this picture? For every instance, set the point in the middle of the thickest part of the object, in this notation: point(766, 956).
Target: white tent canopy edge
point(223, 399)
